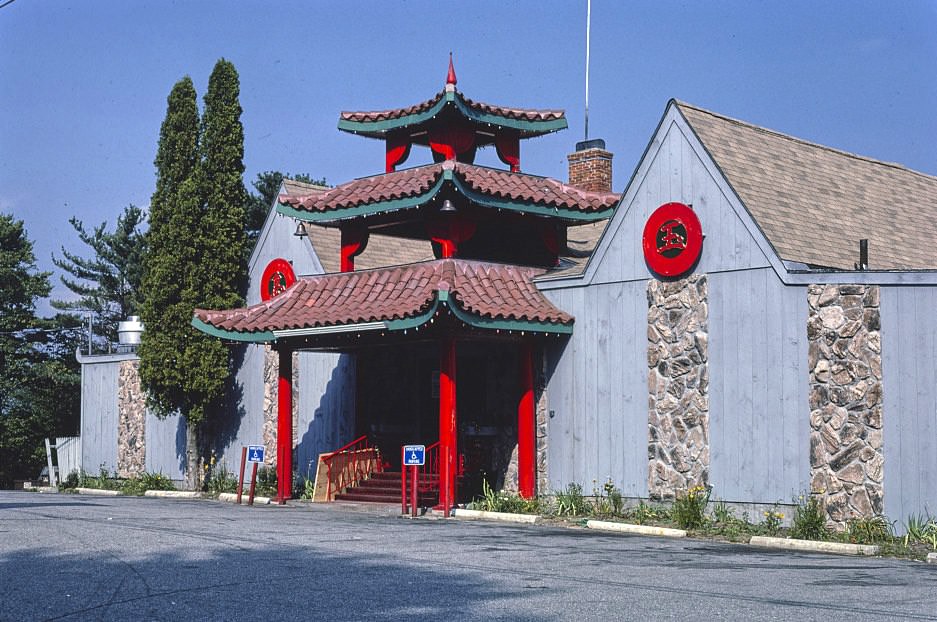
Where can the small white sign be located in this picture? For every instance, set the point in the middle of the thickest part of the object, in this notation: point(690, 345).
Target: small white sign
point(414, 455)
point(255, 453)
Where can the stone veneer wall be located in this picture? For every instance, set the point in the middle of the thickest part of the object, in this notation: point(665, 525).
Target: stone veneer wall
point(271, 374)
point(678, 385)
point(131, 421)
point(845, 359)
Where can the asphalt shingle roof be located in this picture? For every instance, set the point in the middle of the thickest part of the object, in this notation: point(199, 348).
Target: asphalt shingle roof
point(814, 203)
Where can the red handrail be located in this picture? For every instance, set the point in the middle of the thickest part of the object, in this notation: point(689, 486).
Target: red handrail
point(350, 464)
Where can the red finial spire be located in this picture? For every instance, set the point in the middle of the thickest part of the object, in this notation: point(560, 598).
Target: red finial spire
point(450, 78)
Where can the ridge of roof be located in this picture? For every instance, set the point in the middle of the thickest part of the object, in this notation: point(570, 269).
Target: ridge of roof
point(802, 141)
point(523, 114)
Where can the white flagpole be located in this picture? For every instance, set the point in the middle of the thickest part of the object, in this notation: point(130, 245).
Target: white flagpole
point(588, 34)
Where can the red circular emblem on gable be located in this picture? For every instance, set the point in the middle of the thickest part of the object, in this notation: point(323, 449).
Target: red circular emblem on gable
point(278, 275)
point(673, 239)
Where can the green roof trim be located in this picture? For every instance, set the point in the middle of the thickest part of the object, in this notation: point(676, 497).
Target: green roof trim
point(233, 335)
point(380, 207)
point(505, 324)
point(527, 207)
point(367, 209)
point(377, 129)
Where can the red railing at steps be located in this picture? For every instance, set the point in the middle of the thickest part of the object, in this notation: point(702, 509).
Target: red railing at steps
point(351, 464)
point(427, 476)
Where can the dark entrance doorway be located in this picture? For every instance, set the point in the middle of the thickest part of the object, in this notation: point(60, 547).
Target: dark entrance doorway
point(398, 403)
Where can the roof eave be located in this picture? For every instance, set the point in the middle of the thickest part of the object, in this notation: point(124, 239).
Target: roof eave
point(412, 202)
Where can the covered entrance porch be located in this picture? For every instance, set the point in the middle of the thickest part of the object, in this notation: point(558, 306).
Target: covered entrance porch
point(445, 350)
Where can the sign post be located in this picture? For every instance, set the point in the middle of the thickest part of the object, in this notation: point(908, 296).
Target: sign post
point(255, 454)
point(413, 456)
point(241, 477)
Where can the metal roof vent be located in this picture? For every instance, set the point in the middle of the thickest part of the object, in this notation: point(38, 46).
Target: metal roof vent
point(129, 331)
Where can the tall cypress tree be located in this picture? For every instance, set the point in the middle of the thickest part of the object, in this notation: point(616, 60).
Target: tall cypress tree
point(222, 155)
point(196, 252)
point(171, 351)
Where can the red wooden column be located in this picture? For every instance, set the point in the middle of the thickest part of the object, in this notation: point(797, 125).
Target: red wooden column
point(526, 426)
point(285, 426)
point(447, 425)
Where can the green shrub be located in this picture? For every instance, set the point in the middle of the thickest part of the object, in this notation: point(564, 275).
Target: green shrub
point(645, 513)
point(266, 485)
point(220, 480)
point(689, 508)
point(71, 481)
point(772, 522)
point(809, 519)
point(874, 530)
point(492, 501)
point(571, 502)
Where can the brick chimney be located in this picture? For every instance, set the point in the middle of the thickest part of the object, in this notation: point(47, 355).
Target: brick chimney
point(590, 166)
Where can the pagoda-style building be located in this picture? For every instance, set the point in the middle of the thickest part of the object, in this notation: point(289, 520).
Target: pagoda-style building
point(473, 315)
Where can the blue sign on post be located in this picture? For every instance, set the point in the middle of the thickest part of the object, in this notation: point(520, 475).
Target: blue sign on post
point(255, 453)
point(414, 455)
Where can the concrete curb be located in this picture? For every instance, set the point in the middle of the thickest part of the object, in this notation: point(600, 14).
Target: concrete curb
point(640, 530)
point(932, 558)
point(529, 519)
point(99, 492)
point(42, 489)
point(837, 548)
point(173, 494)
point(231, 497)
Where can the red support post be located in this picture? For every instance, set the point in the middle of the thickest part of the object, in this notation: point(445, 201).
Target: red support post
point(241, 477)
point(250, 495)
point(413, 495)
point(403, 482)
point(447, 425)
point(285, 426)
point(526, 426)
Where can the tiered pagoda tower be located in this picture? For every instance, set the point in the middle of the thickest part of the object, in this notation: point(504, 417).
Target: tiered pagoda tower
point(493, 231)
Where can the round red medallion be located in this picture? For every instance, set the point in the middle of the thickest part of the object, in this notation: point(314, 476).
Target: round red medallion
point(673, 240)
point(278, 275)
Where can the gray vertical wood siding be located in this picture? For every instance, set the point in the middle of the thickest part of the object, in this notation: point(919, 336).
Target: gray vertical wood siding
point(326, 406)
point(165, 446)
point(909, 426)
point(598, 389)
point(759, 417)
point(99, 415)
point(676, 173)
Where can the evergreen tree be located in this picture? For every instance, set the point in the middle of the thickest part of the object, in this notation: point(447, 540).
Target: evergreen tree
point(171, 350)
point(107, 283)
point(222, 155)
point(39, 379)
point(196, 254)
point(266, 186)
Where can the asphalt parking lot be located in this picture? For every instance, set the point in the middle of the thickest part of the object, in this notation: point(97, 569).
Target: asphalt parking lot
point(70, 557)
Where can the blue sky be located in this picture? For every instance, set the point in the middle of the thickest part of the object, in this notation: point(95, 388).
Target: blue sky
point(83, 85)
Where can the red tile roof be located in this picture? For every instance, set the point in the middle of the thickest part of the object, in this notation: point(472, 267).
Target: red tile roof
point(523, 114)
point(485, 290)
point(487, 181)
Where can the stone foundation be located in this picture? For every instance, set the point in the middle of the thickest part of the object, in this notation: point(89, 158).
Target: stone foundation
point(131, 421)
point(845, 360)
point(271, 376)
point(543, 418)
point(678, 386)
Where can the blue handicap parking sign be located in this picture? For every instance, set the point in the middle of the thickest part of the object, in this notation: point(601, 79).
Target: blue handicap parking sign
point(414, 455)
point(255, 453)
